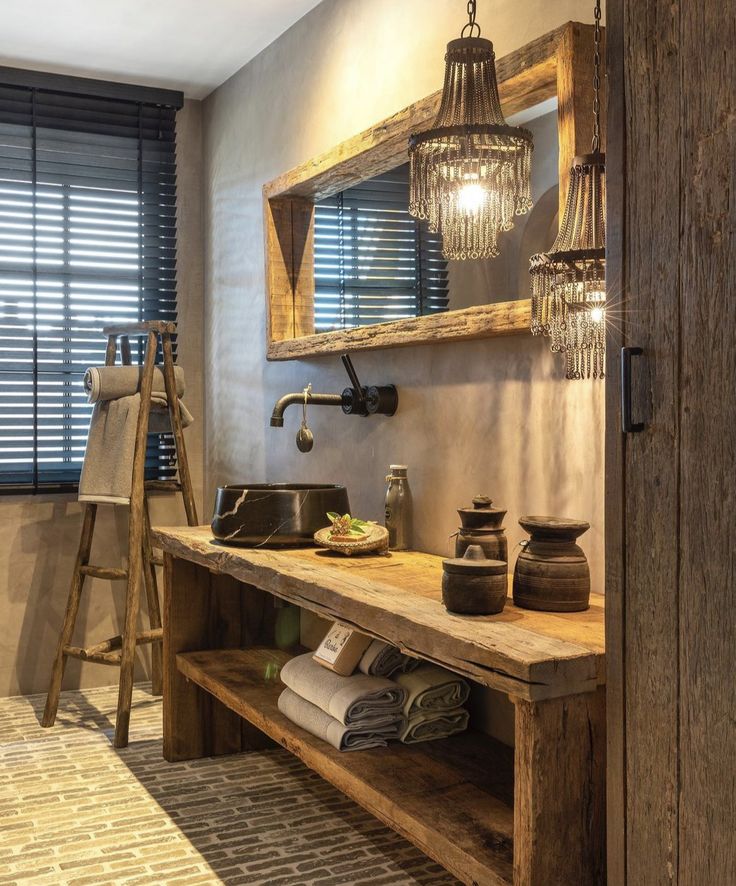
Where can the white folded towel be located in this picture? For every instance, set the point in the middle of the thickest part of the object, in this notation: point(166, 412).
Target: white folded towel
point(357, 700)
point(344, 738)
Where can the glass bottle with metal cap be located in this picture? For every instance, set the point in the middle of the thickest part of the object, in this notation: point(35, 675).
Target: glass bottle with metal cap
point(398, 509)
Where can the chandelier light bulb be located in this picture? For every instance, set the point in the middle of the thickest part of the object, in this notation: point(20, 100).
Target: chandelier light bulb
point(471, 198)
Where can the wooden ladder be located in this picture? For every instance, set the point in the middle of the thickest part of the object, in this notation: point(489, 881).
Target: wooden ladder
point(120, 650)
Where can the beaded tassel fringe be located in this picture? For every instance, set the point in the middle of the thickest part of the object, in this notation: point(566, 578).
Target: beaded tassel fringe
point(569, 282)
point(470, 152)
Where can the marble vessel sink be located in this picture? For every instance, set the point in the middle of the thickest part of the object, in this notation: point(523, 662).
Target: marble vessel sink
point(274, 514)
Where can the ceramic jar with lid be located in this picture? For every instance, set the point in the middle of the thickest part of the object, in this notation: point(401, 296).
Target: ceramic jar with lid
point(473, 584)
point(482, 525)
point(551, 571)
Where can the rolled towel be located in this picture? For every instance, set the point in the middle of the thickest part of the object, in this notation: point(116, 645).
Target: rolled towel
point(343, 738)
point(430, 727)
point(358, 700)
point(432, 689)
point(114, 382)
point(381, 659)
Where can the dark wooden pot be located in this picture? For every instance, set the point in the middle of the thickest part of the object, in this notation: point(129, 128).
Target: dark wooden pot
point(482, 526)
point(552, 571)
point(474, 585)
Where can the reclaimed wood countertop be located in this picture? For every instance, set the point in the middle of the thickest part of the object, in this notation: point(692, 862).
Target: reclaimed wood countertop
point(398, 598)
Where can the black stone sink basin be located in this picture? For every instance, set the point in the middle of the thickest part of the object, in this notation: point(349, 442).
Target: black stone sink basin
point(275, 515)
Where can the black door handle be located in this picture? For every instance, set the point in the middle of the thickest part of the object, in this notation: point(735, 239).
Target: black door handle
point(627, 425)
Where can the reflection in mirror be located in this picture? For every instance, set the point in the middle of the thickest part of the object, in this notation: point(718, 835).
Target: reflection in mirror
point(374, 263)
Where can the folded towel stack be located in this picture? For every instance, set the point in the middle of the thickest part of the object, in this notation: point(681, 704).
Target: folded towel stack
point(382, 660)
point(433, 705)
point(351, 713)
point(108, 460)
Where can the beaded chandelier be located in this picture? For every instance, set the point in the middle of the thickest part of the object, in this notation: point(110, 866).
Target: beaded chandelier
point(569, 281)
point(470, 173)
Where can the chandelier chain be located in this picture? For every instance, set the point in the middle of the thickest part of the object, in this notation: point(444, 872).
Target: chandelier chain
point(597, 78)
point(472, 24)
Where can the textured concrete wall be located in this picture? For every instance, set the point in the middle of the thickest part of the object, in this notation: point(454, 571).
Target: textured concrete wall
point(492, 416)
point(39, 534)
point(484, 416)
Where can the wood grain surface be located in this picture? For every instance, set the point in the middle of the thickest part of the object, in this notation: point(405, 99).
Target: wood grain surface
point(529, 654)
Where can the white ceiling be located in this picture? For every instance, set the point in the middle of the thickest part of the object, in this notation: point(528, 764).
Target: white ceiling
point(192, 45)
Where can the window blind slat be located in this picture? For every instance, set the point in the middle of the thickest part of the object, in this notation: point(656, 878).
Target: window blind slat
point(87, 238)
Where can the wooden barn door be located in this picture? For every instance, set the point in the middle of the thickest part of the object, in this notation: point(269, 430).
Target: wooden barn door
point(671, 487)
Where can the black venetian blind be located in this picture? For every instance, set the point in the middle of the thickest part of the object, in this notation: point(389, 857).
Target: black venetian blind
point(87, 238)
point(373, 262)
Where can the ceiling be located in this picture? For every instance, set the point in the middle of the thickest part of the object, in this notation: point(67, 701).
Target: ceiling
point(192, 45)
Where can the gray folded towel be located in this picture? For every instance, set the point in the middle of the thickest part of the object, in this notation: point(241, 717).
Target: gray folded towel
point(381, 659)
point(114, 382)
point(107, 471)
point(344, 738)
point(430, 727)
point(432, 689)
point(358, 700)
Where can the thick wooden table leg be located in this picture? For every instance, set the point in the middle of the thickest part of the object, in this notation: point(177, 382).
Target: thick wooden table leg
point(559, 791)
point(206, 611)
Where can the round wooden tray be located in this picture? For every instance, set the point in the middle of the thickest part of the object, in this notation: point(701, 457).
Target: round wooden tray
point(375, 540)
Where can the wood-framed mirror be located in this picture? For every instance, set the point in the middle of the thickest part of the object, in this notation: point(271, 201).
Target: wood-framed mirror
point(549, 76)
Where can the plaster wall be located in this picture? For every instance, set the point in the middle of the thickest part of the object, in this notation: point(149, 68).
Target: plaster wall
point(490, 416)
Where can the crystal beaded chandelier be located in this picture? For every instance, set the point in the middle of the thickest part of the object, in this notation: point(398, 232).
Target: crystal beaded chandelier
point(569, 282)
point(469, 173)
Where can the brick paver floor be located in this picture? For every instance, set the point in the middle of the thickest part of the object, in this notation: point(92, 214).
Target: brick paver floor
point(73, 810)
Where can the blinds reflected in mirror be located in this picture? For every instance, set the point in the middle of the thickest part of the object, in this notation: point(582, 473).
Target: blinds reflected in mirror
point(87, 238)
point(373, 262)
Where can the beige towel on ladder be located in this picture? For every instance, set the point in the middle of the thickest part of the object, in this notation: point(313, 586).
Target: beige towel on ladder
point(107, 471)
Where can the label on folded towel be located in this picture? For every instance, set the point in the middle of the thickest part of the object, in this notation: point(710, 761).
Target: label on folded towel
point(342, 649)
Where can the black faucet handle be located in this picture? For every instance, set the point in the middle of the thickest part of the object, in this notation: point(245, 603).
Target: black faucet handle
point(350, 369)
point(358, 405)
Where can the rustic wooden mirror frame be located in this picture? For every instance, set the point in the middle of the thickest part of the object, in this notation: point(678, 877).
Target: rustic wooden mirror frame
point(558, 64)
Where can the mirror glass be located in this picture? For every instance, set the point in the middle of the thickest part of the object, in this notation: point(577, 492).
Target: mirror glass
point(374, 263)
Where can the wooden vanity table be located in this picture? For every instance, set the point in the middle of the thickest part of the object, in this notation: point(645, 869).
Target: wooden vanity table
point(533, 816)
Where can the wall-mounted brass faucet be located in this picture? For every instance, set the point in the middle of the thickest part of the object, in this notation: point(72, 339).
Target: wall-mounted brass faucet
point(355, 400)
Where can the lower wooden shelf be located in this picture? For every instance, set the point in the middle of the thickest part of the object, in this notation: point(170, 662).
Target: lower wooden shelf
point(452, 798)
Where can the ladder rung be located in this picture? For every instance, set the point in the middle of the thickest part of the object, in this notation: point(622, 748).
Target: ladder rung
point(163, 486)
point(104, 572)
point(108, 652)
point(152, 636)
point(156, 561)
point(106, 658)
point(143, 328)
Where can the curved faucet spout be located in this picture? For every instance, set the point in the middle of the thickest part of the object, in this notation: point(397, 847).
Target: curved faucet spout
point(277, 416)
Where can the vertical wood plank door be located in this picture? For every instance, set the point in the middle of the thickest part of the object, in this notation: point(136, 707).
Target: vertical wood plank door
point(671, 489)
